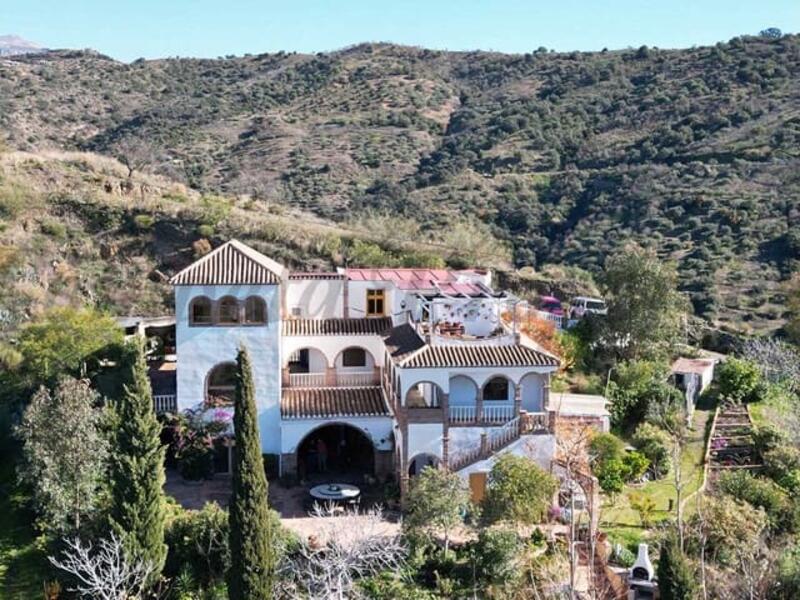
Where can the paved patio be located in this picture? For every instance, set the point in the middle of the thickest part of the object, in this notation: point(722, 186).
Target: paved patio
point(288, 502)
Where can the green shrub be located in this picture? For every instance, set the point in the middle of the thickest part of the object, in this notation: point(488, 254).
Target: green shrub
point(205, 231)
point(143, 222)
point(519, 491)
point(782, 465)
point(197, 542)
point(606, 446)
point(760, 493)
point(653, 443)
point(54, 229)
point(496, 555)
point(611, 475)
point(740, 381)
point(635, 464)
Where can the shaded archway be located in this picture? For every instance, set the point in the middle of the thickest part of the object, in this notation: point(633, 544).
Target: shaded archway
point(221, 384)
point(421, 461)
point(424, 394)
point(354, 358)
point(337, 449)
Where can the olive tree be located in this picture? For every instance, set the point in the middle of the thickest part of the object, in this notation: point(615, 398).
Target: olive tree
point(646, 311)
point(436, 503)
point(64, 454)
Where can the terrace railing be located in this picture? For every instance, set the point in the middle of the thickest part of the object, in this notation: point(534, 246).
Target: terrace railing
point(165, 403)
point(463, 414)
point(356, 378)
point(307, 379)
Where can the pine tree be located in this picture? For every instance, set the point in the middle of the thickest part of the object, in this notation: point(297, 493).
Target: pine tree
point(252, 531)
point(137, 468)
point(676, 580)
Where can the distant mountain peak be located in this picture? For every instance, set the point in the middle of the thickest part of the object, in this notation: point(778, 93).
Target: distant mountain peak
point(11, 45)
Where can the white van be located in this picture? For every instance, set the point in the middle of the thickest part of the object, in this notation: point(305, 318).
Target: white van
point(581, 305)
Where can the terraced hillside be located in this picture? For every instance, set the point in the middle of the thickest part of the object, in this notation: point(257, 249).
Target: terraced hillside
point(565, 156)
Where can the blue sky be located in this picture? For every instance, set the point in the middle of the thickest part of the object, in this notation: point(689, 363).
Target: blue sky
point(128, 29)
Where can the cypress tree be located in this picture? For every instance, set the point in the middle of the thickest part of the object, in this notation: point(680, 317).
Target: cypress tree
point(252, 535)
point(137, 467)
point(676, 580)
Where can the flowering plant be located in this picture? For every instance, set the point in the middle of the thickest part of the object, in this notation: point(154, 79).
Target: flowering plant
point(194, 437)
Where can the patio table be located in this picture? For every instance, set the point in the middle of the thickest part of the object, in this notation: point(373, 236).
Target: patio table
point(335, 492)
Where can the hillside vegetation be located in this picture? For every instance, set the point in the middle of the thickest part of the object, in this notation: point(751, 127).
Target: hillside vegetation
point(564, 156)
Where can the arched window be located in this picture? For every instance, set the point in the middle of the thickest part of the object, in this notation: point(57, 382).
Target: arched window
point(255, 310)
point(200, 311)
point(496, 388)
point(354, 357)
point(221, 384)
point(229, 310)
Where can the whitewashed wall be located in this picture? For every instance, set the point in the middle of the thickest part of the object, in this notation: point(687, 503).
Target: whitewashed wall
point(200, 348)
point(425, 438)
point(317, 298)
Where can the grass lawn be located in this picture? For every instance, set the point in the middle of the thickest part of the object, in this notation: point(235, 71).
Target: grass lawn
point(23, 565)
point(622, 523)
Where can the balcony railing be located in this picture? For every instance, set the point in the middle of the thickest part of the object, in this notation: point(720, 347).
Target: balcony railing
point(491, 414)
point(307, 379)
point(498, 414)
point(165, 403)
point(356, 378)
point(463, 414)
point(340, 379)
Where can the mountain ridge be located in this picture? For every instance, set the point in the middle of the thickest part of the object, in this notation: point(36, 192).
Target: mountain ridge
point(566, 156)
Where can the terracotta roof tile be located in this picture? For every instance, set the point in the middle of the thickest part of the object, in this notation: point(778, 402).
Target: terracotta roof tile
point(337, 326)
point(477, 356)
point(310, 403)
point(233, 263)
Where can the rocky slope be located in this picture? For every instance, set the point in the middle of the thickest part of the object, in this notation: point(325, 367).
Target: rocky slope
point(565, 156)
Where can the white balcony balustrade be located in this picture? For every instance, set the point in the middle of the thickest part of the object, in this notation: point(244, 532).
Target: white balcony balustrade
point(356, 378)
point(498, 414)
point(307, 379)
point(339, 379)
point(463, 414)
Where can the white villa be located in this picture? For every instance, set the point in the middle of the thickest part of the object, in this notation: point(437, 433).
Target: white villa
point(377, 370)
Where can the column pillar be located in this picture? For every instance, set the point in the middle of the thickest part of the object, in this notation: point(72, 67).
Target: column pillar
point(479, 406)
point(517, 398)
point(285, 376)
point(330, 376)
point(546, 393)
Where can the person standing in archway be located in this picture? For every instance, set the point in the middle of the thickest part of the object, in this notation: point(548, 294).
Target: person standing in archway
point(322, 455)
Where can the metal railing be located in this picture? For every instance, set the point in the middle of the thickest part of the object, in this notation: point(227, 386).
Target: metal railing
point(165, 403)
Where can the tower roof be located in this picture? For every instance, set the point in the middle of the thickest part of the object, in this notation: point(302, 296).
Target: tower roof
point(233, 263)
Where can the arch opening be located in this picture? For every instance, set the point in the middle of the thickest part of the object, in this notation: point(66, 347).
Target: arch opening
point(424, 394)
point(498, 389)
point(422, 461)
point(221, 384)
point(336, 449)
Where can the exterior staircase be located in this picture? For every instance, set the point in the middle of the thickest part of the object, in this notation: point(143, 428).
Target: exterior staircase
point(499, 438)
